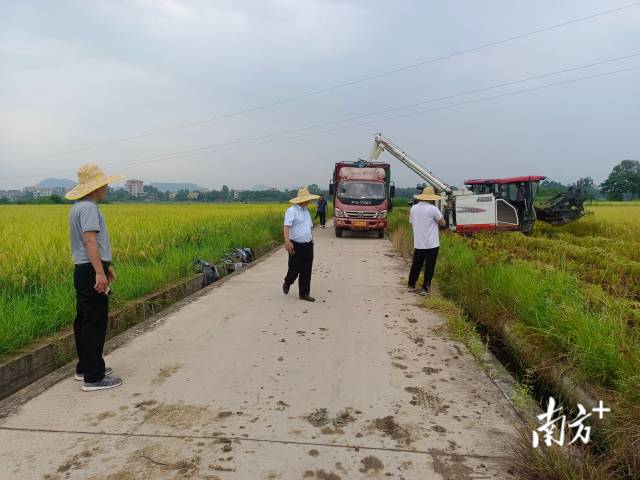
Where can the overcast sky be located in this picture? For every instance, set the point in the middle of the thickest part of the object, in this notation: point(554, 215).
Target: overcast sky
point(79, 73)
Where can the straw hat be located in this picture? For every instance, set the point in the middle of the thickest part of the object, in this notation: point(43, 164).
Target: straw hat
point(428, 194)
point(90, 178)
point(304, 196)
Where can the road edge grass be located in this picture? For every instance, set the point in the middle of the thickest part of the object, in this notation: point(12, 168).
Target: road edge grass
point(42, 304)
point(614, 451)
point(57, 350)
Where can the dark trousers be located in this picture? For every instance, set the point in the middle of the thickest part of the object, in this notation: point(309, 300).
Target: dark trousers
point(426, 257)
point(323, 217)
point(300, 266)
point(90, 326)
point(520, 207)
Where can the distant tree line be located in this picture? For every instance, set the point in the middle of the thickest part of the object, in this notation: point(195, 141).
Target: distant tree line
point(623, 181)
point(31, 200)
point(225, 194)
point(549, 188)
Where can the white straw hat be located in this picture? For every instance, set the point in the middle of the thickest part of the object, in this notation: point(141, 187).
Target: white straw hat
point(304, 196)
point(90, 178)
point(428, 194)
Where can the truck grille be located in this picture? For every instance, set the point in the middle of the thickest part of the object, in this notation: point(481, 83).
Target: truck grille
point(361, 214)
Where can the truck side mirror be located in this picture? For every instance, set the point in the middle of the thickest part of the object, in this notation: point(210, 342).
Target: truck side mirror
point(392, 191)
point(332, 189)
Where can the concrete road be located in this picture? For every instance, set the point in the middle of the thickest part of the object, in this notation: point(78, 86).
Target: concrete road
point(247, 383)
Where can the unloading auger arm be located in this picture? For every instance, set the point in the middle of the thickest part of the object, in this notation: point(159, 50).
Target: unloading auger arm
point(380, 143)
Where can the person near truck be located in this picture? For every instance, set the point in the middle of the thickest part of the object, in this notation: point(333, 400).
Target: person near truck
point(322, 211)
point(91, 251)
point(298, 241)
point(425, 218)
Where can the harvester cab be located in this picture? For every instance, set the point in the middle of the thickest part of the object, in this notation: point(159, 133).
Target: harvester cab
point(514, 199)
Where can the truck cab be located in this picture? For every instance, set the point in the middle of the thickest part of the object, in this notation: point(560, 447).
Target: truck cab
point(361, 193)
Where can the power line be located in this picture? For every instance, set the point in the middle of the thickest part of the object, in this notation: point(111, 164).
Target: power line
point(379, 112)
point(350, 83)
point(395, 117)
point(236, 144)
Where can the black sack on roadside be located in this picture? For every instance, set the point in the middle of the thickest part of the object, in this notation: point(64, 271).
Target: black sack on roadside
point(238, 255)
point(210, 272)
point(248, 254)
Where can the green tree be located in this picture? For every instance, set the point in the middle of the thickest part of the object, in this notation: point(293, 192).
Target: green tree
point(585, 183)
point(623, 179)
point(119, 195)
point(588, 187)
point(548, 188)
point(182, 195)
point(552, 186)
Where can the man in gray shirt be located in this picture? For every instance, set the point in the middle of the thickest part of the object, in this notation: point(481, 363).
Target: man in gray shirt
point(93, 272)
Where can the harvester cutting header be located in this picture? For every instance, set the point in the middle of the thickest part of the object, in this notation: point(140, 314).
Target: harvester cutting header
point(490, 205)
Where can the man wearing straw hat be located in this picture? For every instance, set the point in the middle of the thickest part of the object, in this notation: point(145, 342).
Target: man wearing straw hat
point(425, 218)
point(298, 241)
point(93, 272)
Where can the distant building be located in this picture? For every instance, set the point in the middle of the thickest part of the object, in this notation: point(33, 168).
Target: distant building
point(134, 187)
point(10, 194)
point(42, 192)
point(193, 195)
point(172, 195)
point(60, 190)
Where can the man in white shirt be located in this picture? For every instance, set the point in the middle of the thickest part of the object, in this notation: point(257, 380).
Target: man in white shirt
point(298, 241)
point(425, 218)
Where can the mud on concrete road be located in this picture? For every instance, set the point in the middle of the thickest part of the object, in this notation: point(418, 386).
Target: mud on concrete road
point(247, 383)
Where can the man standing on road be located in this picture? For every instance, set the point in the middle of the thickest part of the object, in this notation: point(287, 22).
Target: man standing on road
point(425, 218)
point(93, 272)
point(322, 211)
point(298, 241)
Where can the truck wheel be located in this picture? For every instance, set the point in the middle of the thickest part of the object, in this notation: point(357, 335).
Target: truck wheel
point(338, 232)
point(381, 233)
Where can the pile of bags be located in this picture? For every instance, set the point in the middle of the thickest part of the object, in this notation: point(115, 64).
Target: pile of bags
point(232, 260)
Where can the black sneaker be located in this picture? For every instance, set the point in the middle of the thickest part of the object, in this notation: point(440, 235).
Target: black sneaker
point(285, 288)
point(308, 298)
point(105, 383)
point(424, 292)
point(107, 373)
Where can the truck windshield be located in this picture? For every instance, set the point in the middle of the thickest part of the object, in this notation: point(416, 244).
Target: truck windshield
point(362, 190)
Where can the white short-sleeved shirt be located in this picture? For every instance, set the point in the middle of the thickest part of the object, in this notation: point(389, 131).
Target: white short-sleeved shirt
point(424, 217)
point(300, 224)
